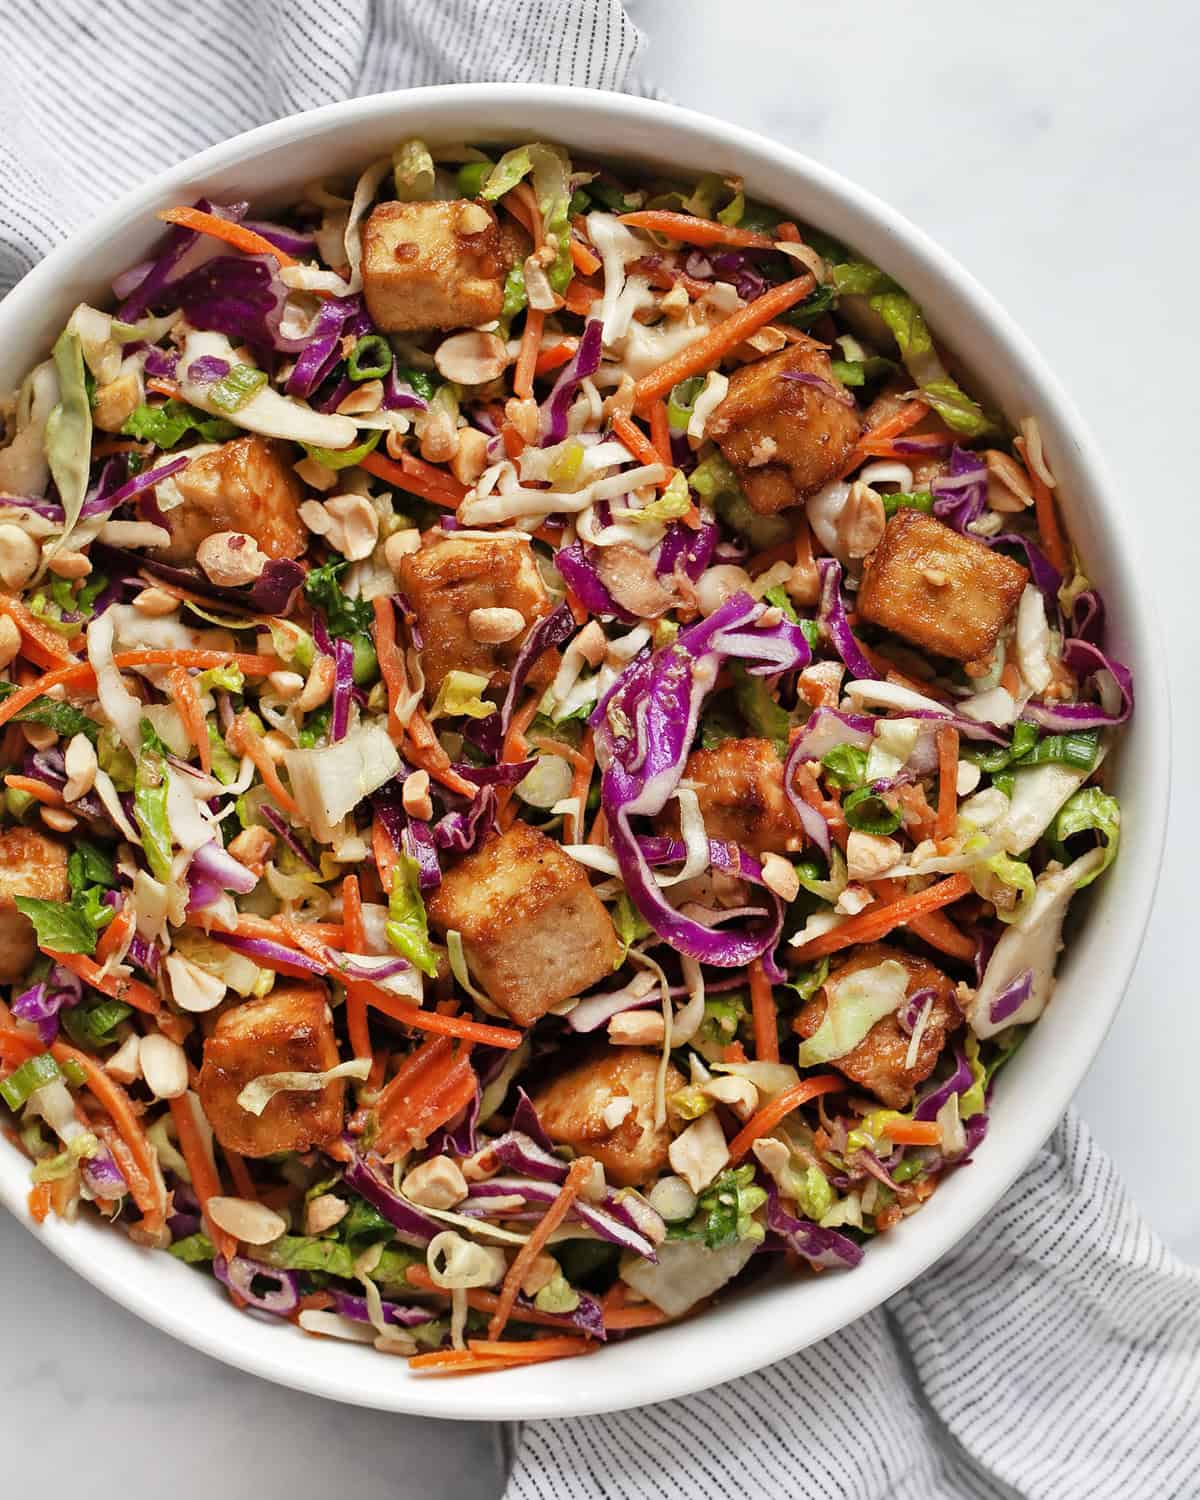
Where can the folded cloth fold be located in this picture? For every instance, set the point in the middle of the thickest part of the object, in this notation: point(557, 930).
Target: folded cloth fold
point(1055, 1355)
point(95, 98)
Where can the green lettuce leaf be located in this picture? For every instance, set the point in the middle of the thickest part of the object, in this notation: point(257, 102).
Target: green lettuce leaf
point(413, 172)
point(64, 718)
point(166, 425)
point(728, 1206)
point(1089, 809)
point(407, 925)
point(150, 804)
point(60, 925)
point(69, 428)
point(762, 714)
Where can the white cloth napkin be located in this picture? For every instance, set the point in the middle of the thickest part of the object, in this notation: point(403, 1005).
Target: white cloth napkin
point(1056, 1354)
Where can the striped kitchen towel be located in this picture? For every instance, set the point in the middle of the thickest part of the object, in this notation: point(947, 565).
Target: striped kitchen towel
point(1053, 1356)
point(1056, 1354)
point(96, 97)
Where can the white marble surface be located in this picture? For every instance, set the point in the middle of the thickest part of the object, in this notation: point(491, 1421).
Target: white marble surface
point(1048, 146)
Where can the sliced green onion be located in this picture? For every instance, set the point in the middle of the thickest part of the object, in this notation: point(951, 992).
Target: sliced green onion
point(867, 812)
point(240, 385)
point(94, 1027)
point(1078, 750)
point(846, 765)
point(471, 177)
point(28, 1078)
point(921, 500)
point(371, 358)
point(682, 401)
point(342, 458)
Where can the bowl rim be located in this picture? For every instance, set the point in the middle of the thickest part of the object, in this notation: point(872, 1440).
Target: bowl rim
point(611, 1381)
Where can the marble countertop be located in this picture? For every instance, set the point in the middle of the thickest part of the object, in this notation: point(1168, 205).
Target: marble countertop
point(1050, 151)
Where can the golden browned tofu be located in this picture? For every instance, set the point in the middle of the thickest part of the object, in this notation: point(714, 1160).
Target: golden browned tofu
point(245, 485)
point(30, 865)
point(572, 1106)
point(452, 575)
point(432, 265)
point(739, 786)
point(533, 930)
point(784, 437)
point(944, 592)
point(877, 1063)
point(288, 1031)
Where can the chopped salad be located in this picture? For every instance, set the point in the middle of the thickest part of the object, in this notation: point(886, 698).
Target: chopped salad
point(548, 739)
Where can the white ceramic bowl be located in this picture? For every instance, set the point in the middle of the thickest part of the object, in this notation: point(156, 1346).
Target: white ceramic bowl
point(267, 166)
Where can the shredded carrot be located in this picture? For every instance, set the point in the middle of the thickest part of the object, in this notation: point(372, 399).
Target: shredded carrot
point(531, 342)
point(692, 230)
point(580, 296)
point(391, 661)
point(112, 939)
point(433, 1085)
point(187, 701)
point(356, 1005)
point(578, 1174)
point(530, 1351)
point(240, 1174)
point(70, 676)
point(237, 235)
point(253, 665)
point(442, 1025)
point(265, 927)
point(913, 1132)
point(244, 739)
point(726, 335)
point(1047, 516)
point(1010, 679)
point(947, 802)
point(762, 1003)
point(660, 432)
point(205, 1182)
point(514, 748)
point(936, 929)
point(584, 764)
point(626, 430)
point(899, 422)
point(120, 1110)
point(521, 202)
point(765, 1120)
point(386, 855)
point(417, 477)
point(401, 1010)
point(40, 1201)
point(877, 447)
point(130, 991)
point(159, 385)
point(874, 923)
point(419, 1277)
point(41, 644)
point(555, 356)
point(582, 258)
point(48, 796)
point(643, 1315)
point(425, 750)
point(17, 1047)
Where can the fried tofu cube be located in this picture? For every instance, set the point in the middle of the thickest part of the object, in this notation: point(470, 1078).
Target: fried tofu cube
point(786, 437)
point(739, 786)
point(30, 865)
point(877, 1063)
point(534, 932)
point(448, 578)
point(432, 265)
point(572, 1108)
point(944, 592)
point(244, 485)
point(288, 1031)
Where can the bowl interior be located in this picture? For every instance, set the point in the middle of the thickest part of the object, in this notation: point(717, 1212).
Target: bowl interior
point(780, 1316)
